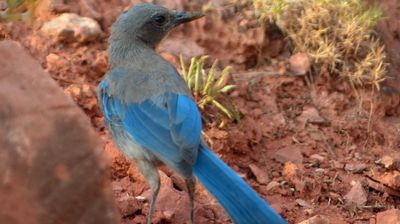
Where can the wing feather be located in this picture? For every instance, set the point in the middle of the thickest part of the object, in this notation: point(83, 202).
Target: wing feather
point(170, 127)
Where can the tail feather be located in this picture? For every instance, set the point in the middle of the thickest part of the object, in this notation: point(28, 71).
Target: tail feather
point(239, 200)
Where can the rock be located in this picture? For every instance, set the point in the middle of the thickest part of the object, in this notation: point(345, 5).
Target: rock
point(395, 180)
point(390, 179)
point(277, 207)
point(372, 221)
point(51, 167)
point(311, 115)
point(55, 62)
point(355, 167)
point(167, 170)
point(289, 153)
point(318, 219)
point(387, 161)
point(391, 216)
point(76, 91)
point(3, 5)
point(165, 180)
point(141, 198)
point(70, 27)
point(178, 181)
point(317, 157)
point(303, 203)
point(128, 205)
point(299, 63)
point(391, 161)
point(272, 185)
point(336, 164)
point(356, 196)
point(261, 175)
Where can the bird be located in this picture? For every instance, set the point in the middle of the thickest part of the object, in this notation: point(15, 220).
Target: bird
point(152, 117)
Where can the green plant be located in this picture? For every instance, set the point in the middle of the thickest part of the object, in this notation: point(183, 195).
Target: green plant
point(209, 88)
point(334, 33)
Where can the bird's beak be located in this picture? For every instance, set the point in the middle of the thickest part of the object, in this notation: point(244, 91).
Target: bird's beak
point(184, 17)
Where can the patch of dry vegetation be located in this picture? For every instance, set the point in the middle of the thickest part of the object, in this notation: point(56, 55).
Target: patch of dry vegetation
point(334, 33)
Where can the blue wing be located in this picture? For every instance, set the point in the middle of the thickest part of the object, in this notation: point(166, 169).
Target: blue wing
point(169, 125)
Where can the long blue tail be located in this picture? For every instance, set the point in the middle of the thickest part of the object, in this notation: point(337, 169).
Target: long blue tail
point(240, 201)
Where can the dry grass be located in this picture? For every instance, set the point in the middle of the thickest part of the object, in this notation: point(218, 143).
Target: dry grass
point(334, 33)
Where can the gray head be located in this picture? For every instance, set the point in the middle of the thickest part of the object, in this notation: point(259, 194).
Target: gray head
point(148, 23)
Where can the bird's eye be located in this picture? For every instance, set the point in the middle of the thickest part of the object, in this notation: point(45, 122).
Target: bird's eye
point(160, 20)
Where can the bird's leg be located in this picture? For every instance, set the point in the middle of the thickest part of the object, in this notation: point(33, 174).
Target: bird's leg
point(153, 200)
point(150, 172)
point(191, 184)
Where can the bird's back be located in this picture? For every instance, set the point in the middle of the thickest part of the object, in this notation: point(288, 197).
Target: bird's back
point(144, 76)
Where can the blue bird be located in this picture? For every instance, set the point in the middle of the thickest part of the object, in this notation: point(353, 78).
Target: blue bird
point(152, 117)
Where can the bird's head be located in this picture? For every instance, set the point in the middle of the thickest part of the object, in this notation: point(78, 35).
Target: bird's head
point(149, 23)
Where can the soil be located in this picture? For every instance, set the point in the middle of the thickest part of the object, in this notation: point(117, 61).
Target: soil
point(341, 134)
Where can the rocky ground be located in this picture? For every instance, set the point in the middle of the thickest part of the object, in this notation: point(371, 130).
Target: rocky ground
point(314, 147)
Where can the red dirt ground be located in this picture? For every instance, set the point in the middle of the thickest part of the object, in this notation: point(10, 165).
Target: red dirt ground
point(340, 134)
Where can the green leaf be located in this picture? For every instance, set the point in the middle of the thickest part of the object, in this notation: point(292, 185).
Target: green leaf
point(210, 77)
point(222, 108)
point(206, 87)
point(198, 81)
point(190, 74)
point(227, 88)
point(224, 75)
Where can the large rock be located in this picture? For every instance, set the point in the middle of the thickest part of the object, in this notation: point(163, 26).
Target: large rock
point(50, 167)
point(391, 216)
